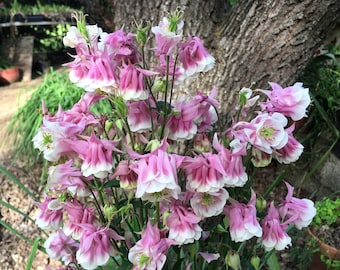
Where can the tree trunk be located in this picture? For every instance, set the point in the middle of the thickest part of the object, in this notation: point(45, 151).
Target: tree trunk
point(254, 42)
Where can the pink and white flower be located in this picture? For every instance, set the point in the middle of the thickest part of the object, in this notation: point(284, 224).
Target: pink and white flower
point(266, 132)
point(205, 173)
point(291, 101)
point(298, 211)
point(132, 83)
point(149, 253)
point(274, 234)
point(243, 221)
point(50, 214)
point(291, 151)
point(209, 204)
point(166, 38)
point(127, 177)
point(95, 247)
point(60, 246)
point(139, 116)
point(157, 175)
point(183, 225)
point(194, 57)
point(78, 215)
point(96, 155)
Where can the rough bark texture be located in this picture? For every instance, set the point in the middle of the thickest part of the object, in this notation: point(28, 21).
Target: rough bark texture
point(254, 42)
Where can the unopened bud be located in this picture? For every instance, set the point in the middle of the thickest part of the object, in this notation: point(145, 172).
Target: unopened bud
point(260, 204)
point(255, 262)
point(232, 259)
point(109, 211)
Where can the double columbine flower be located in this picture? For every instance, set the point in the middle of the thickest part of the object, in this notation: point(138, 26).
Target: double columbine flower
point(128, 172)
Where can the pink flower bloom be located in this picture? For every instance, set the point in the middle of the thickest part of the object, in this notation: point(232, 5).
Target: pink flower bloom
point(183, 225)
point(127, 177)
point(95, 247)
point(274, 234)
point(65, 177)
point(50, 214)
point(243, 221)
point(209, 257)
point(291, 101)
point(181, 126)
point(195, 57)
point(235, 174)
point(291, 151)
point(209, 204)
point(166, 39)
point(266, 132)
point(206, 115)
point(298, 211)
point(78, 215)
point(121, 47)
point(132, 85)
point(176, 73)
point(149, 253)
point(139, 116)
point(157, 174)
point(60, 246)
point(96, 155)
point(205, 173)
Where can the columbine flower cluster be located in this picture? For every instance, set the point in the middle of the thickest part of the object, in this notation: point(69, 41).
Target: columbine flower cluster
point(120, 191)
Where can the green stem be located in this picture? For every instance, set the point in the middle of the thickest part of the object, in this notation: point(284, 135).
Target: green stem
point(166, 96)
point(274, 184)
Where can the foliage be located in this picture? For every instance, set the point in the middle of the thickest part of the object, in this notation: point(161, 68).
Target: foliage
point(327, 212)
point(320, 133)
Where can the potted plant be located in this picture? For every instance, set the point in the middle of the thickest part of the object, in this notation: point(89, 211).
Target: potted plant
point(8, 72)
point(325, 231)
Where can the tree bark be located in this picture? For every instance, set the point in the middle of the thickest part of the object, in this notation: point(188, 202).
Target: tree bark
point(254, 42)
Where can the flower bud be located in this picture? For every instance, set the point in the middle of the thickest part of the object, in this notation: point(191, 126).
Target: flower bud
point(260, 204)
point(158, 86)
point(255, 262)
point(232, 259)
point(109, 211)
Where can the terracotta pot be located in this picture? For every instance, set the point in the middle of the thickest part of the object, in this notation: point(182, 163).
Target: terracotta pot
point(10, 75)
point(327, 250)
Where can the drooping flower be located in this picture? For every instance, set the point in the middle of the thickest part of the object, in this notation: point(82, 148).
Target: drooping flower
point(209, 204)
point(78, 215)
point(66, 177)
point(298, 211)
point(132, 83)
point(291, 151)
point(50, 214)
point(95, 247)
point(139, 116)
point(291, 101)
point(194, 57)
point(274, 234)
point(96, 155)
point(243, 220)
point(157, 175)
point(167, 34)
point(149, 253)
point(183, 225)
point(180, 125)
point(60, 246)
point(231, 159)
point(127, 177)
point(205, 173)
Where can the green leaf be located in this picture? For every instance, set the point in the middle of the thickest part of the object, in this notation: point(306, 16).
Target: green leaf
point(33, 252)
point(112, 183)
point(273, 262)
